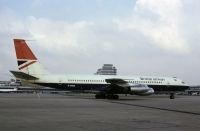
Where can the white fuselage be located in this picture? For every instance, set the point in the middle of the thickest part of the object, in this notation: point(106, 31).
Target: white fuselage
point(100, 79)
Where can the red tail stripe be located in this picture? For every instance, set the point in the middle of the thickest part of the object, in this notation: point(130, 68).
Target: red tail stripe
point(26, 65)
point(23, 51)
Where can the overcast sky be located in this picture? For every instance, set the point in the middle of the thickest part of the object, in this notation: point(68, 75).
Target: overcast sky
point(140, 37)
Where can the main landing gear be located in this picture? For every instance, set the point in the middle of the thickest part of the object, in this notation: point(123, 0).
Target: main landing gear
point(102, 95)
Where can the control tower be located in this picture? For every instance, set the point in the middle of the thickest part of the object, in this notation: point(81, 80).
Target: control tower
point(107, 69)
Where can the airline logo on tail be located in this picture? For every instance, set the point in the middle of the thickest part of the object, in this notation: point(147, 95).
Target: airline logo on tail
point(25, 56)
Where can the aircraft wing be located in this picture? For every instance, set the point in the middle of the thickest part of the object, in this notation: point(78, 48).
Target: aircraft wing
point(117, 81)
point(117, 85)
point(22, 75)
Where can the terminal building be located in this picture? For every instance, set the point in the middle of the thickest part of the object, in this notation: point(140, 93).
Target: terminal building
point(107, 69)
point(12, 82)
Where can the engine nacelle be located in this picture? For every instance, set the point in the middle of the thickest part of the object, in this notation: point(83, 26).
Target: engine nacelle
point(141, 89)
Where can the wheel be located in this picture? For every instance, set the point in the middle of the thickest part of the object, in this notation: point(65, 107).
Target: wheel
point(112, 96)
point(171, 96)
point(100, 95)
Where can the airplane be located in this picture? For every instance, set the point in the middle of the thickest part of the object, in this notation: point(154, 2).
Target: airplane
point(7, 90)
point(106, 86)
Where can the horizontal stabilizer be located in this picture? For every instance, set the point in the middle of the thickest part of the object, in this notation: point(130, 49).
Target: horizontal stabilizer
point(22, 75)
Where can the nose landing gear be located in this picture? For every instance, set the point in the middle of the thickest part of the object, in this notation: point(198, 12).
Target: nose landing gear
point(172, 96)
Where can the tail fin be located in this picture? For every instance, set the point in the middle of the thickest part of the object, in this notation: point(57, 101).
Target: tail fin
point(27, 62)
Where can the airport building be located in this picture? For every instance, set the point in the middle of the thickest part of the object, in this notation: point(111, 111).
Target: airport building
point(107, 69)
point(12, 82)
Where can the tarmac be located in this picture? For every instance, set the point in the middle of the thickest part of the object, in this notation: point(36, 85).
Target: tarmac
point(81, 112)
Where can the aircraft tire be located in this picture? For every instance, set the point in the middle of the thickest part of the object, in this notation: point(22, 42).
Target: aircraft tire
point(111, 96)
point(100, 95)
point(172, 95)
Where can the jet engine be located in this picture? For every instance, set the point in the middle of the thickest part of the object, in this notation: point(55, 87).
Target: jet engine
point(141, 89)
